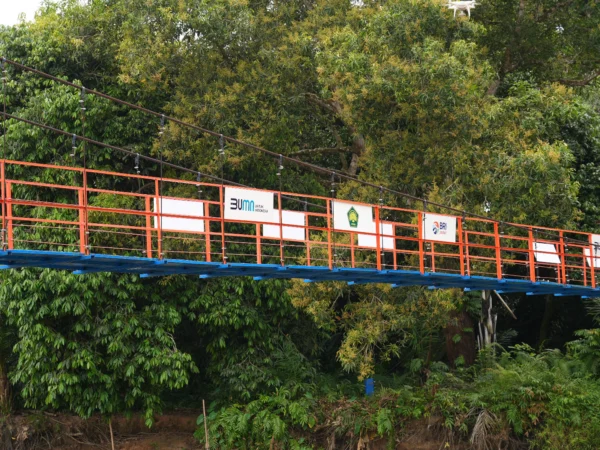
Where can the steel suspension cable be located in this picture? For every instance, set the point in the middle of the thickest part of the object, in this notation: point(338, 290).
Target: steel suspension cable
point(298, 162)
point(4, 75)
point(137, 155)
point(232, 140)
point(85, 180)
point(222, 194)
point(160, 185)
point(279, 175)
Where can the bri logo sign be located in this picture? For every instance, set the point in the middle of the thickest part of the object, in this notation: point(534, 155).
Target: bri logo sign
point(440, 227)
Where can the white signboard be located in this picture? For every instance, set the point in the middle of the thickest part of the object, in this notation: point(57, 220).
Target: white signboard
point(545, 253)
point(437, 227)
point(248, 204)
point(178, 207)
point(387, 243)
point(352, 217)
point(596, 250)
point(289, 233)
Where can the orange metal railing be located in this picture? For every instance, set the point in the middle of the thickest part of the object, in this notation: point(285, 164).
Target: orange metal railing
point(48, 207)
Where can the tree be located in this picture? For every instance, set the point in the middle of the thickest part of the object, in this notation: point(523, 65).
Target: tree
point(94, 344)
point(552, 41)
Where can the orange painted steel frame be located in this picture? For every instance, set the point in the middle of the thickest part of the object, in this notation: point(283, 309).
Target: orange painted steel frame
point(473, 253)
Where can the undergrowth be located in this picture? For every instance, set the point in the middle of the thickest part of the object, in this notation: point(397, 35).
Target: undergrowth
point(513, 399)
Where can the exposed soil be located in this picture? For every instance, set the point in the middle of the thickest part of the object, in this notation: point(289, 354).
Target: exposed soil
point(171, 431)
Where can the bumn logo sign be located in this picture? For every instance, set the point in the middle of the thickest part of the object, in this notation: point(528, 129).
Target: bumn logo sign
point(241, 204)
point(249, 205)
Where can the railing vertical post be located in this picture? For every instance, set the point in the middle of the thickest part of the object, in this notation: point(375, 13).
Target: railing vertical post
point(307, 237)
point(420, 231)
point(592, 261)
point(563, 258)
point(461, 249)
point(329, 234)
point(148, 228)
point(158, 213)
point(352, 259)
point(3, 193)
point(86, 229)
point(222, 207)
point(281, 257)
point(258, 245)
point(207, 231)
point(378, 236)
point(467, 255)
point(9, 221)
point(498, 251)
point(532, 273)
point(395, 250)
point(82, 245)
point(432, 256)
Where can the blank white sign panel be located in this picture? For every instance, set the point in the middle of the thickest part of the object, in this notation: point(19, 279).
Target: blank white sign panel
point(596, 249)
point(289, 233)
point(180, 208)
point(387, 243)
point(545, 253)
point(596, 257)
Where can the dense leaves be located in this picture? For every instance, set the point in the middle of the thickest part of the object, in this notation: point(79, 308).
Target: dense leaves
point(91, 345)
point(500, 112)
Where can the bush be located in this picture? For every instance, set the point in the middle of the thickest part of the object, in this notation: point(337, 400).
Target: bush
point(519, 398)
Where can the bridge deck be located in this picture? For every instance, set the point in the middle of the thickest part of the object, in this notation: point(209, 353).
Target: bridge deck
point(149, 267)
point(89, 221)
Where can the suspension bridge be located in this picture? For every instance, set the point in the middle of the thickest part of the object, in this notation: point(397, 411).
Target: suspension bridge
point(86, 220)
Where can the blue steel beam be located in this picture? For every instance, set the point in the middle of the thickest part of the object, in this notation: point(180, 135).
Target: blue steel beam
point(147, 267)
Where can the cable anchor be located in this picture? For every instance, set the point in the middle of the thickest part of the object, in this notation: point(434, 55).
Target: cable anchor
point(280, 167)
point(332, 184)
point(82, 99)
point(221, 145)
point(73, 146)
point(199, 186)
point(162, 125)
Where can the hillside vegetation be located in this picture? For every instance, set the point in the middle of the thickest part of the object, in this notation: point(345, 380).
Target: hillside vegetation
point(498, 115)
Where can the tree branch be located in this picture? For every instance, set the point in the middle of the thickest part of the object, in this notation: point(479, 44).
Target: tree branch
point(358, 141)
point(583, 82)
point(333, 107)
point(322, 150)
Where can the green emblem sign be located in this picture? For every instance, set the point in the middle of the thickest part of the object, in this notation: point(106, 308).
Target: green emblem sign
point(353, 217)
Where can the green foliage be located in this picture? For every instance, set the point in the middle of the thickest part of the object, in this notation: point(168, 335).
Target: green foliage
point(398, 93)
point(252, 336)
point(548, 400)
point(264, 422)
point(93, 346)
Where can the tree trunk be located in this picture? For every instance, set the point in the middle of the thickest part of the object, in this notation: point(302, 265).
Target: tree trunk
point(112, 437)
point(5, 435)
point(487, 325)
point(5, 403)
point(465, 346)
point(546, 321)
